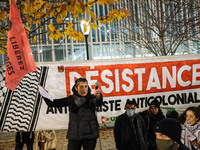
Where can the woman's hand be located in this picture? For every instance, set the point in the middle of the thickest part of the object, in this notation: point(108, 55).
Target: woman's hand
point(196, 144)
point(97, 93)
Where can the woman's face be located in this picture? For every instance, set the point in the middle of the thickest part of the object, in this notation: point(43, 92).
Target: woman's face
point(191, 118)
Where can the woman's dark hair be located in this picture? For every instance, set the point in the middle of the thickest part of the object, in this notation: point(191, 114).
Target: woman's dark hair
point(81, 79)
point(172, 114)
point(195, 110)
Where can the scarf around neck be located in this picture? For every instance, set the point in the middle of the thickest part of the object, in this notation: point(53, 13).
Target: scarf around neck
point(190, 133)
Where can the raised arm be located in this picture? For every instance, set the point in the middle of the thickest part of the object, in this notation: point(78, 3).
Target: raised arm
point(98, 97)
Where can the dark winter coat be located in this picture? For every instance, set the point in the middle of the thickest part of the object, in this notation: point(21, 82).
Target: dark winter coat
point(125, 139)
point(183, 147)
point(82, 118)
point(150, 122)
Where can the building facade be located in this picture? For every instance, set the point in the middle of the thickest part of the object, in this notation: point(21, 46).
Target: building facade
point(122, 39)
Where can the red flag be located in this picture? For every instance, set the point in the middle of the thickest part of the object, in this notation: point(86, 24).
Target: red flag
point(19, 59)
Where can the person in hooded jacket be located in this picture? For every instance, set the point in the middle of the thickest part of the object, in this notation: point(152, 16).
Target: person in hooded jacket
point(129, 130)
point(151, 117)
point(83, 128)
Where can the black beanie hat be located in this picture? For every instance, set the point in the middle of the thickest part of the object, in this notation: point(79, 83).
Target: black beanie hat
point(130, 102)
point(155, 103)
point(169, 127)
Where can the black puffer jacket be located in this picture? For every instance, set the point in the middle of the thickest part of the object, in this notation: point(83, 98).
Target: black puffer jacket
point(82, 119)
point(150, 122)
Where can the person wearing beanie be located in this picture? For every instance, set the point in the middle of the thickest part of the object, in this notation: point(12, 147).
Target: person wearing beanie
point(168, 135)
point(129, 130)
point(151, 117)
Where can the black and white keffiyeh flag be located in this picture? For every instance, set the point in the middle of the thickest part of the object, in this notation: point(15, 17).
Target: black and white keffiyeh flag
point(19, 109)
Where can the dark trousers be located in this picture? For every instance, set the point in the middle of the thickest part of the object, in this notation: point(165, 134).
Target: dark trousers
point(19, 146)
point(88, 144)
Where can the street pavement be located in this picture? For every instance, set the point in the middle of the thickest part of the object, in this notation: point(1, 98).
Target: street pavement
point(7, 140)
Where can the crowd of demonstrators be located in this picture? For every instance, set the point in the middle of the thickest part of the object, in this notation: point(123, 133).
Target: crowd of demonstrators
point(148, 130)
point(151, 117)
point(190, 121)
point(129, 130)
point(83, 128)
point(175, 132)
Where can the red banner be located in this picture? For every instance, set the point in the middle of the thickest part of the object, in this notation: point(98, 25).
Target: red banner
point(19, 59)
point(139, 78)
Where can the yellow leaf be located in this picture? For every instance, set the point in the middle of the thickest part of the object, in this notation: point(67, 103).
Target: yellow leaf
point(63, 37)
point(110, 2)
point(39, 6)
point(29, 19)
point(53, 13)
point(102, 21)
point(94, 26)
point(80, 36)
point(82, 6)
point(34, 21)
point(65, 32)
point(59, 9)
point(123, 14)
point(27, 28)
point(56, 37)
point(76, 14)
point(63, 13)
point(51, 27)
point(51, 36)
point(101, 2)
point(58, 19)
point(126, 11)
point(92, 14)
point(34, 39)
point(47, 6)
point(90, 2)
point(119, 17)
point(116, 1)
point(59, 4)
point(59, 34)
point(41, 27)
point(38, 21)
point(49, 31)
point(70, 25)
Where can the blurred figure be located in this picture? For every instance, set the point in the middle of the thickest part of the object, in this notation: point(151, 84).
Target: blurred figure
point(151, 117)
point(168, 135)
point(129, 130)
point(172, 114)
point(191, 128)
point(46, 140)
point(24, 138)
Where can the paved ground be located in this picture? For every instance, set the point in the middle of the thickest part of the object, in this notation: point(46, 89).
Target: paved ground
point(107, 140)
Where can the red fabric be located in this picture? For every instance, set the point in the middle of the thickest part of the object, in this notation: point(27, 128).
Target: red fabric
point(19, 59)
